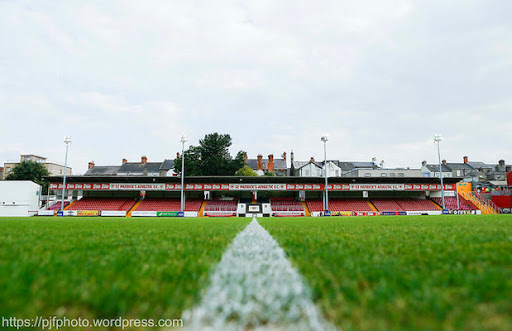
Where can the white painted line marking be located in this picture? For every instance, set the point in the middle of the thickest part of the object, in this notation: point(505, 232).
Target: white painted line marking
point(255, 287)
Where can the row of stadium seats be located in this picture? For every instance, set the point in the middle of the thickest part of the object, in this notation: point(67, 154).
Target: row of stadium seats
point(111, 204)
point(383, 205)
point(122, 204)
point(451, 203)
point(285, 204)
point(220, 205)
point(277, 205)
point(56, 206)
point(162, 204)
point(316, 205)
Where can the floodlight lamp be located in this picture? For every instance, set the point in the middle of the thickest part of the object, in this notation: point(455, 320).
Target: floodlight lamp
point(437, 137)
point(324, 138)
point(183, 138)
point(67, 140)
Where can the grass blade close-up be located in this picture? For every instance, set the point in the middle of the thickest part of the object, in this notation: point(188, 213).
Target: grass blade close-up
point(381, 273)
point(106, 268)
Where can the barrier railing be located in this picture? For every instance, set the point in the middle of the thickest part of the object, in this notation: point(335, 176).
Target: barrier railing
point(488, 202)
point(480, 202)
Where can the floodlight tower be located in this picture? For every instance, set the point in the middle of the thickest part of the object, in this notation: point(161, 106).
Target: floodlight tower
point(437, 139)
point(183, 140)
point(326, 203)
point(67, 141)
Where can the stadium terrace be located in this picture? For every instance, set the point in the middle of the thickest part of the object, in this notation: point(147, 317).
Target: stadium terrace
point(264, 196)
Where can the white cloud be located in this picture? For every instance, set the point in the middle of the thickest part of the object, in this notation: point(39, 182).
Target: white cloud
point(126, 78)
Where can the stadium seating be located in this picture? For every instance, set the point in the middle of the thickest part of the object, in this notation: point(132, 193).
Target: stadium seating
point(349, 205)
point(335, 205)
point(315, 205)
point(163, 204)
point(451, 203)
point(117, 204)
point(417, 205)
point(56, 206)
point(286, 205)
point(387, 205)
point(221, 208)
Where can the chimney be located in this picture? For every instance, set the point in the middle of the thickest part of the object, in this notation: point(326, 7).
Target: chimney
point(245, 158)
point(260, 162)
point(443, 162)
point(466, 159)
point(124, 161)
point(91, 164)
point(143, 160)
point(284, 156)
point(291, 156)
point(271, 162)
point(312, 160)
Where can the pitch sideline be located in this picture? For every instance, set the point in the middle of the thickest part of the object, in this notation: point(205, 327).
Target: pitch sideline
point(254, 286)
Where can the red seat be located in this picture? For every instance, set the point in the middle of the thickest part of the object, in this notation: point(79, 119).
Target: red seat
point(165, 204)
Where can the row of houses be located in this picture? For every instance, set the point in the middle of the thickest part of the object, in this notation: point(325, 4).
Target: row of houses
point(476, 172)
point(479, 173)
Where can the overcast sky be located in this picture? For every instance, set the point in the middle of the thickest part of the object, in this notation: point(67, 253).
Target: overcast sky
point(126, 78)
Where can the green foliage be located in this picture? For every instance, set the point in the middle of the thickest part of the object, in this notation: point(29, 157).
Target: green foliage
point(412, 273)
point(30, 170)
point(246, 171)
point(192, 162)
point(211, 157)
point(98, 268)
point(270, 173)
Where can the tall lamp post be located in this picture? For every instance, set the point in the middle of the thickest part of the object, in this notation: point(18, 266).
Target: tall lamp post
point(183, 140)
point(326, 204)
point(437, 139)
point(67, 141)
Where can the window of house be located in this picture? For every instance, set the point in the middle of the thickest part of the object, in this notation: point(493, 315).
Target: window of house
point(458, 173)
point(337, 173)
point(401, 174)
point(383, 175)
point(306, 172)
point(367, 174)
point(392, 174)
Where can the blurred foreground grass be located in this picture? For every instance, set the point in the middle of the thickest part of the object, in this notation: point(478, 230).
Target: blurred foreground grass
point(107, 268)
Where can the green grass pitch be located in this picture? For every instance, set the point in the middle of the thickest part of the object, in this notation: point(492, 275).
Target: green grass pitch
point(405, 272)
point(366, 273)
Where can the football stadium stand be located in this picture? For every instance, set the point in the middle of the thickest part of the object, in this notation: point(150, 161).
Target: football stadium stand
point(335, 205)
point(221, 208)
point(110, 204)
point(163, 204)
point(286, 207)
point(387, 205)
point(417, 205)
point(56, 206)
point(451, 203)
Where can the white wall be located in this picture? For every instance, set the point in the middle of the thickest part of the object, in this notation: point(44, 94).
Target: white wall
point(19, 198)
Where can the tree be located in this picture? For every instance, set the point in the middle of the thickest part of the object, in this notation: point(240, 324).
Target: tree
point(192, 162)
point(211, 157)
point(30, 170)
point(246, 171)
